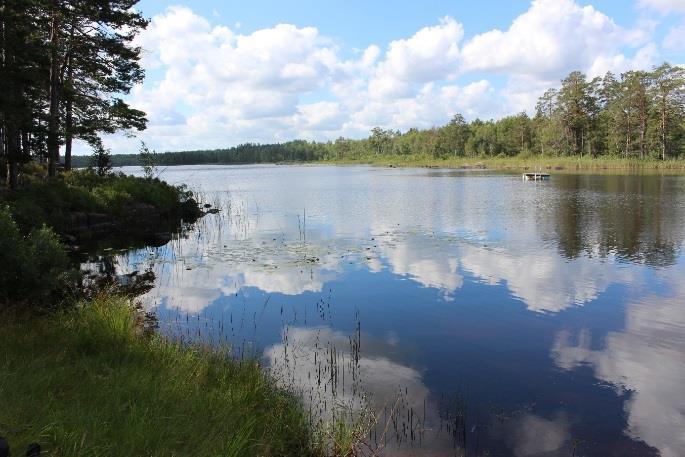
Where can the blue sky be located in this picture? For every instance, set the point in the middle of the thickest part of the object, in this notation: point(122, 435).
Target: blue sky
point(221, 73)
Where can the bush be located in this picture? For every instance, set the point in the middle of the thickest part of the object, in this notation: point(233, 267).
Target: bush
point(111, 199)
point(32, 268)
point(40, 202)
point(152, 191)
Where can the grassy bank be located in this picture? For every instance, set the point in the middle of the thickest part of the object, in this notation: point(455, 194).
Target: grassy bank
point(85, 382)
point(58, 203)
point(80, 376)
point(526, 162)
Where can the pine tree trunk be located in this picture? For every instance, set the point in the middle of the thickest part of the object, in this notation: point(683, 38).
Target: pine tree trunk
point(69, 123)
point(13, 153)
point(663, 132)
point(25, 147)
point(53, 118)
point(3, 157)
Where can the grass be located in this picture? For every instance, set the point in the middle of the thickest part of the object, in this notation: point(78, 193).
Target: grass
point(40, 201)
point(527, 162)
point(86, 382)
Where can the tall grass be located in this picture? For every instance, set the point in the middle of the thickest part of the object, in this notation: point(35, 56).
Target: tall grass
point(87, 382)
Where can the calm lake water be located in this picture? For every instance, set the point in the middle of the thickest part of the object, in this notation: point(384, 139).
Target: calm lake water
point(477, 314)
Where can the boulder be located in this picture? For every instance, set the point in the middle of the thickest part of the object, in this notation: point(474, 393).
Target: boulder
point(98, 218)
point(4, 447)
point(190, 210)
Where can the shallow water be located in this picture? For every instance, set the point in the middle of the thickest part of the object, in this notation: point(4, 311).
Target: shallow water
point(476, 313)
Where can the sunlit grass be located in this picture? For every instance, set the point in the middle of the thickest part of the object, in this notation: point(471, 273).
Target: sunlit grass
point(86, 382)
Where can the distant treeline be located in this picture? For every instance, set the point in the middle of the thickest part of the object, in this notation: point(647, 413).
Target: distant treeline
point(635, 115)
point(296, 151)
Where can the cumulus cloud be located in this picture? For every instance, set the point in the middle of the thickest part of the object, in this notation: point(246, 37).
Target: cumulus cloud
point(665, 6)
point(552, 37)
point(675, 40)
point(214, 85)
point(430, 55)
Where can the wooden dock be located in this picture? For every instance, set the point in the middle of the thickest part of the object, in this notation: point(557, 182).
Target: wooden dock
point(535, 176)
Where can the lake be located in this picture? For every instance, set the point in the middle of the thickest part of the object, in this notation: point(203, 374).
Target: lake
point(475, 313)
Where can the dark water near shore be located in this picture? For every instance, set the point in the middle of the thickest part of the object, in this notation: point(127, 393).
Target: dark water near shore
point(484, 314)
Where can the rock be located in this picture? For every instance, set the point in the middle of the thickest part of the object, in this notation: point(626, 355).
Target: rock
point(98, 218)
point(213, 211)
point(141, 210)
point(68, 239)
point(33, 450)
point(77, 219)
point(158, 239)
point(207, 205)
point(4, 447)
point(164, 237)
point(190, 210)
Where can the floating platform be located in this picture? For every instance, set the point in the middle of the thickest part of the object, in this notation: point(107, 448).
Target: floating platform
point(535, 176)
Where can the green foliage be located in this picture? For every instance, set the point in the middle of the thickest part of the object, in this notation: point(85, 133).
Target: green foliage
point(148, 161)
point(96, 386)
point(101, 161)
point(111, 199)
point(33, 267)
point(65, 66)
point(39, 202)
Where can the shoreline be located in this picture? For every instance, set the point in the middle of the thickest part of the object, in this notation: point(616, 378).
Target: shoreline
point(560, 165)
point(568, 165)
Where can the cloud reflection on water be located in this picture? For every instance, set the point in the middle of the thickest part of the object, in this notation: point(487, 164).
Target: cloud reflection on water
point(646, 359)
point(558, 248)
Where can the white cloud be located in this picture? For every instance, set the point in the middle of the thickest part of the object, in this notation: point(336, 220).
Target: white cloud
point(644, 58)
point(319, 116)
point(431, 54)
point(552, 38)
point(665, 6)
point(213, 85)
point(675, 40)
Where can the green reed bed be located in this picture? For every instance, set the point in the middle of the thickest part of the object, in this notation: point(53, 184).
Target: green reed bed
point(526, 161)
point(88, 382)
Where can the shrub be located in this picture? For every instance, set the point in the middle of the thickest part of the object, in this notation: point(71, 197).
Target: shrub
point(113, 200)
point(38, 201)
point(32, 268)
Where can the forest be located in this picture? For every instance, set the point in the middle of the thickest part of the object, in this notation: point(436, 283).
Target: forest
point(636, 115)
point(64, 68)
